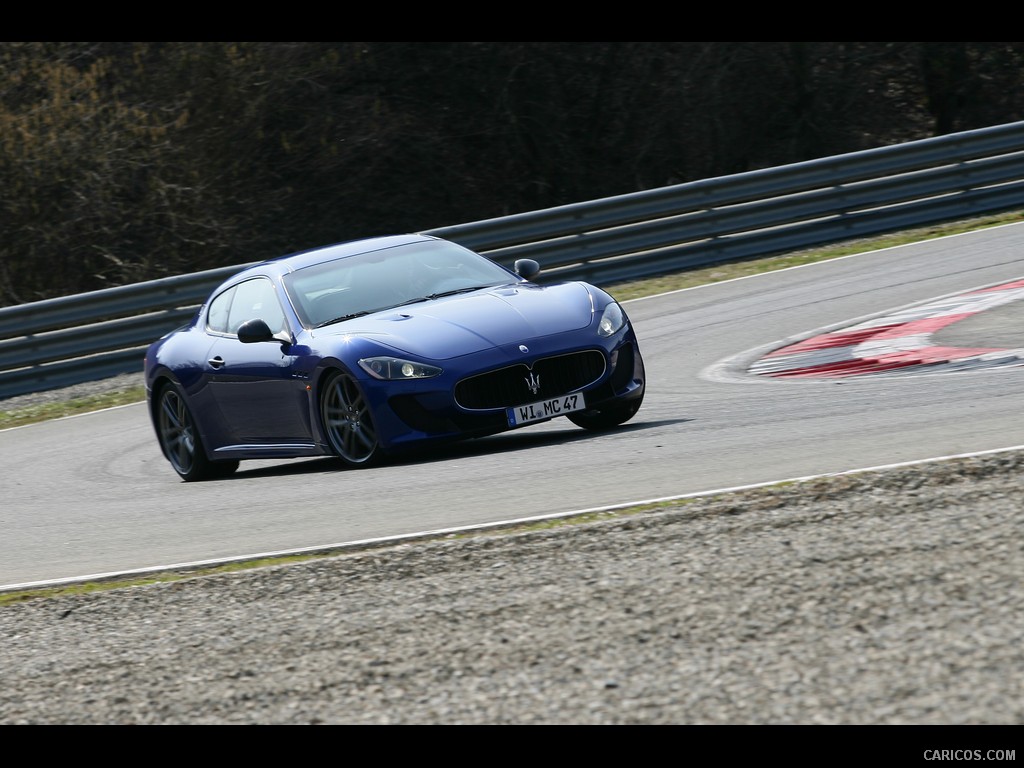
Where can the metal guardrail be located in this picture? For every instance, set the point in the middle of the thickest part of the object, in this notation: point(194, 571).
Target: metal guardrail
point(59, 342)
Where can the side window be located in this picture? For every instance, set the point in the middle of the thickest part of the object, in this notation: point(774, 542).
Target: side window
point(252, 299)
point(217, 317)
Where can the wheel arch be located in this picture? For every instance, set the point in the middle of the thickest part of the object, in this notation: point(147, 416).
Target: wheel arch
point(160, 381)
point(327, 368)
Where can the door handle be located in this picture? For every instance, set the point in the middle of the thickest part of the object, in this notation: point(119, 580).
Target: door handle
point(216, 362)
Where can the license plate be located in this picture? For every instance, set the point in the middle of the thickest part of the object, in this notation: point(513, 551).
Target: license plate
point(545, 409)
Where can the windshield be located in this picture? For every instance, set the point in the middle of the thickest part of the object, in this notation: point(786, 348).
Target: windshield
point(356, 285)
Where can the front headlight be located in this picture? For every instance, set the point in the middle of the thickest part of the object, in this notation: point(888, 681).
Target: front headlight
point(393, 368)
point(612, 320)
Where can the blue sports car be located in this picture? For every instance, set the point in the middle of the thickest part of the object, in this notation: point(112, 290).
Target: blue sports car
point(362, 349)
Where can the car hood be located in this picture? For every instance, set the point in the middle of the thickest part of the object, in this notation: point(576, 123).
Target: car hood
point(460, 325)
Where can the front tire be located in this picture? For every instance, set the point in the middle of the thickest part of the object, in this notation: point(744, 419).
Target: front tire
point(180, 441)
point(347, 421)
point(606, 418)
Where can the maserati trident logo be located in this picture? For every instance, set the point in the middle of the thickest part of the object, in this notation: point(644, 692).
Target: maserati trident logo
point(533, 383)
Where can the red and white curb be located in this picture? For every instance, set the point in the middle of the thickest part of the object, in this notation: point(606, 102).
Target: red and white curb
point(897, 343)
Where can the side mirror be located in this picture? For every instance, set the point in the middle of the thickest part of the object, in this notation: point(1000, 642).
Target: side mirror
point(527, 268)
point(255, 330)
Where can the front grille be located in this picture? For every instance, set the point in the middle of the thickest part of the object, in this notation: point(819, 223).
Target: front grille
point(508, 387)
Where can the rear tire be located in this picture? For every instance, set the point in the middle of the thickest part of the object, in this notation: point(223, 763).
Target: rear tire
point(347, 421)
point(180, 441)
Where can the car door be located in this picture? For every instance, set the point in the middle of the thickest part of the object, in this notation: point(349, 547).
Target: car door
point(260, 400)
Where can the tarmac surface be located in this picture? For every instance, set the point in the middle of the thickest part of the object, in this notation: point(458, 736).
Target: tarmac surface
point(887, 597)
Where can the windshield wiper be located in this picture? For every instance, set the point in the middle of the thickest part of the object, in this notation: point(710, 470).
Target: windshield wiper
point(342, 319)
point(454, 291)
point(442, 294)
